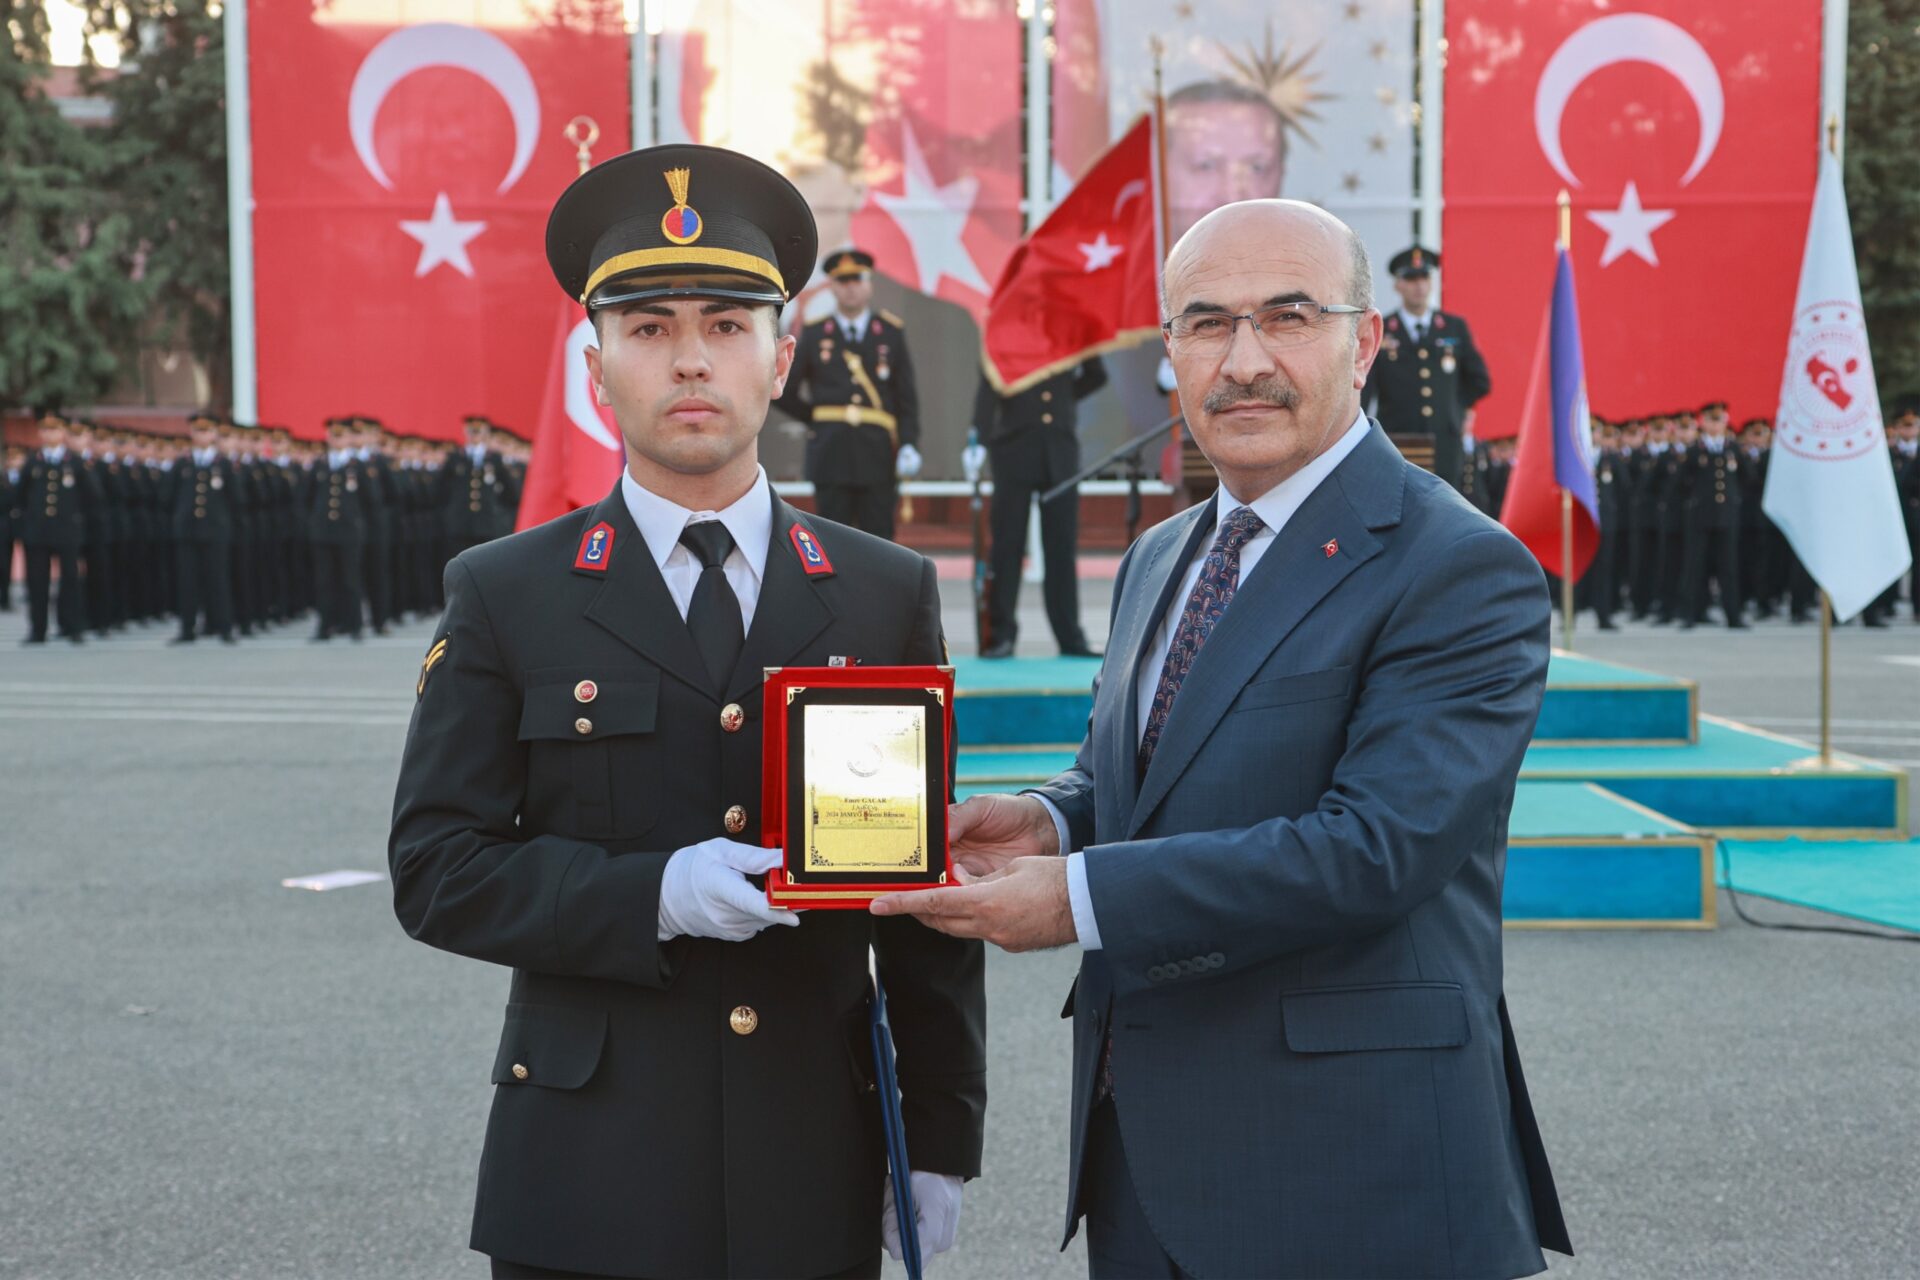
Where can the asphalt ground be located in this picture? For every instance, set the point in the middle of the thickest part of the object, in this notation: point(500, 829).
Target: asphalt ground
point(205, 1074)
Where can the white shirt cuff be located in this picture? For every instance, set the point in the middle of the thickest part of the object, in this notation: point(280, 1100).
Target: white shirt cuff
point(1081, 899)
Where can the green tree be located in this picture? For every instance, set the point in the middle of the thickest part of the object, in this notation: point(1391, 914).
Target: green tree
point(1883, 182)
point(169, 155)
point(68, 313)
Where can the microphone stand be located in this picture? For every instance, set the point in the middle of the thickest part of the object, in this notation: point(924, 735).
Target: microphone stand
point(1127, 454)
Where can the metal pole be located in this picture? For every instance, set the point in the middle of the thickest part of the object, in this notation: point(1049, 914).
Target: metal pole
point(1826, 680)
point(1833, 70)
point(640, 80)
point(1039, 113)
point(1566, 568)
point(240, 314)
point(1433, 31)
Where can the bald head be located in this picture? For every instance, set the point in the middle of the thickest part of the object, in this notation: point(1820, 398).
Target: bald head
point(1303, 232)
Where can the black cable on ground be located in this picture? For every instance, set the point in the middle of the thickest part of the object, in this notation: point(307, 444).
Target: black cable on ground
point(1733, 895)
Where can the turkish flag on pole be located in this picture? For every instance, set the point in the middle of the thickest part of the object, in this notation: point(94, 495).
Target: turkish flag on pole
point(1685, 134)
point(1556, 455)
point(1830, 485)
point(402, 176)
point(1087, 279)
point(577, 452)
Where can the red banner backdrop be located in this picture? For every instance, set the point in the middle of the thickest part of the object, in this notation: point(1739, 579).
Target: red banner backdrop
point(402, 176)
point(1687, 134)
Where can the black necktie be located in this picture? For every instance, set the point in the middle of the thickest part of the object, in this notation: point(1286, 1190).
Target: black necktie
point(713, 616)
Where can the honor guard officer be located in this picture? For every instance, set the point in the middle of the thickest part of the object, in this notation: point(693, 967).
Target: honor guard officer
point(685, 1085)
point(1429, 374)
point(336, 518)
point(56, 501)
point(853, 381)
point(204, 504)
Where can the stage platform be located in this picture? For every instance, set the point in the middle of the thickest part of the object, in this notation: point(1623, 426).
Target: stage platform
point(1045, 701)
point(1579, 856)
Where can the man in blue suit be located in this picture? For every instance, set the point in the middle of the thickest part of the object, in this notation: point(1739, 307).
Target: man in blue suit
point(1286, 829)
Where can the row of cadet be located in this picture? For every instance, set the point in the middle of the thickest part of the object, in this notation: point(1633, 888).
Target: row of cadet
point(237, 529)
point(1681, 523)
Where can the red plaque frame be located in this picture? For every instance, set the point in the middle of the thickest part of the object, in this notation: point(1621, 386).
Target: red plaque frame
point(784, 890)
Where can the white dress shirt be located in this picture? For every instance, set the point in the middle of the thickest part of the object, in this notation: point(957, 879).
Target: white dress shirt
point(1274, 507)
point(857, 326)
point(1416, 326)
point(749, 519)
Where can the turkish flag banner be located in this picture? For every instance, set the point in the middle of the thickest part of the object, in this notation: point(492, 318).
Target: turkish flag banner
point(1686, 134)
point(1087, 279)
point(402, 177)
point(577, 452)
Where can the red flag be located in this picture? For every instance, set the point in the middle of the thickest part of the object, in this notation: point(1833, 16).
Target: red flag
point(577, 453)
point(1087, 279)
point(1686, 134)
point(401, 181)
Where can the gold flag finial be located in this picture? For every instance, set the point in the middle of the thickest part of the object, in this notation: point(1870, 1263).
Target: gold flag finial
point(1566, 219)
point(583, 132)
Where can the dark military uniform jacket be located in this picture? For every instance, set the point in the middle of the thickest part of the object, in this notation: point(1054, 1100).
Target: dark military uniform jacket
point(859, 398)
point(1713, 487)
point(1428, 386)
point(478, 502)
point(202, 501)
point(56, 499)
point(337, 504)
point(1047, 413)
point(635, 1129)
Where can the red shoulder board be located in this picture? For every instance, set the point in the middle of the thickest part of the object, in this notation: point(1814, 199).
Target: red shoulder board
point(813, 557)
point(596, 549)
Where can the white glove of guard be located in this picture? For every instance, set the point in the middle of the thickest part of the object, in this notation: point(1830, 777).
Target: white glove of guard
point(936, 1204)
point(907, 464)
point(973, 461)
point(704, 892)
point(1163, 377)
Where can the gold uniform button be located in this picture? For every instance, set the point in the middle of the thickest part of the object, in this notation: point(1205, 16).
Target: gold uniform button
point(583, 725)
point(1425, 372)
point(732, 717)
point(586, 691)
point(744, 1021)
point(520, 1072)
point(736, 820)
point(1423, 353)
point(1426, 390)
point(1046, 395)
point(1426, 411)
point(1046, 417)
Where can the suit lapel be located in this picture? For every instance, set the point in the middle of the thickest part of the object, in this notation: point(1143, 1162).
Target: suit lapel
point(1132, 639)
point(790, 613)
point(1292, 577)
point(633, 602)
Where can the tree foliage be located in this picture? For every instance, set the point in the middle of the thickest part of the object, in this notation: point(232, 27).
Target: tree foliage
point(1883, 181)
point(69, 315)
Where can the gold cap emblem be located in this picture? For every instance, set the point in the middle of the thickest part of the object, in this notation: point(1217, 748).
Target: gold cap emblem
point(681, 224)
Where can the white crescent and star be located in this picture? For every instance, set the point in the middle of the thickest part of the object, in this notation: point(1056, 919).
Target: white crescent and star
point(1628, 37)
point(443, 238)
point(934, 219)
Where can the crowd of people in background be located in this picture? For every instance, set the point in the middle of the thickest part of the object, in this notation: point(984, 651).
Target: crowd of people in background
point(1681, 524)
point(234, 530)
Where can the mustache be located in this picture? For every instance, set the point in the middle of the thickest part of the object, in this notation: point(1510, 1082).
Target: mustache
point(1273, 390)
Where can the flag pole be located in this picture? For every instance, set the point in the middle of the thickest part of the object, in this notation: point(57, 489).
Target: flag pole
point(1566, 495)
point(1826, 604)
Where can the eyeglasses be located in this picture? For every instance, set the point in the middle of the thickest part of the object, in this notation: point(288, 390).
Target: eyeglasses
point(1289, 324)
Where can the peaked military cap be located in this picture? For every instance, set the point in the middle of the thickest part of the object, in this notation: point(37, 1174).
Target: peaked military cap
point(1904, 405)
point(1416, 261)
point(625, 225)
point(845, 264)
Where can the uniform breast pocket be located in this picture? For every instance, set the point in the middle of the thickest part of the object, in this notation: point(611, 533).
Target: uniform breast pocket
point(578, 724)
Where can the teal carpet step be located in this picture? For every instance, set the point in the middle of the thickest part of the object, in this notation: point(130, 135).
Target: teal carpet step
point(1045, 702)
point(1579, 856)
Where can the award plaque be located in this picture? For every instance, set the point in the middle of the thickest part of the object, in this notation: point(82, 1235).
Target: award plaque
point(856, 782)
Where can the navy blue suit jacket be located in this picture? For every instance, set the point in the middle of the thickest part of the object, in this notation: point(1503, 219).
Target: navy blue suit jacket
point(1300, 903)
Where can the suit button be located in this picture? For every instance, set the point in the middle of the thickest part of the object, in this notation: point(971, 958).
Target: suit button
point(732, 717)
point(736, 820)
point(1156, 973)
point(583, 725)
point(1217, 959)
point(586, 691)
point(520, 1072)
point(744, 1021)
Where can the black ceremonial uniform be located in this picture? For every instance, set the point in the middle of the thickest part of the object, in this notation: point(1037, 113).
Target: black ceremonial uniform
point(534, 817)
point(478, 499)
point(1033, 443)
point(860, 398)
point(204, 505)
point(337, 518)
point(1427, 383)
point(55, 501)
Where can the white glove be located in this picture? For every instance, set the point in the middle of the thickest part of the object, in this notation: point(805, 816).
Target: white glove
point(973, 461)
point(704, 892)
point(907, 464)
point(936, 1204)
point(1163, 377)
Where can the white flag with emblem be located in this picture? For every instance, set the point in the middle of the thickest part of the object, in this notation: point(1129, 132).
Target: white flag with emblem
point(1830, 482)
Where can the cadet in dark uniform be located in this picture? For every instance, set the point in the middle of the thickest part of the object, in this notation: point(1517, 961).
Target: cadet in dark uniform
point(1601, 585)
point(203, 508)
point(1032, 440)
point(55, 502)
point(474, 491)
point(10, 490)
point(336, 516)
point(1429, 375)
point(1904, 439)
point(1712, 520)
point(852, 379)
point(684, 1083)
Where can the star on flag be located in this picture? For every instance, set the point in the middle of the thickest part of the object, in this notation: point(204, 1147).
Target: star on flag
point(1101, 252)
point(1630, 228)
point(443, 239)
point(934, 219)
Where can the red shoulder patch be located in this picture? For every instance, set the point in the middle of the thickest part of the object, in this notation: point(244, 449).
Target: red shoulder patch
point(813, 557)
point(1439, 321)
point(596, 549)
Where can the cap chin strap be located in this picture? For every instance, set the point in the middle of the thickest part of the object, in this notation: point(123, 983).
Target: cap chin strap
point(610, 299)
